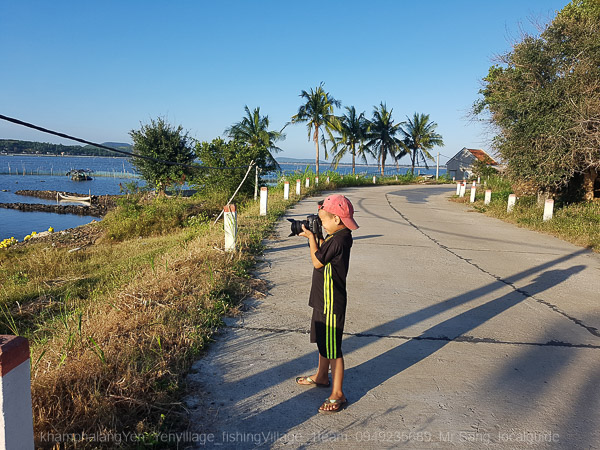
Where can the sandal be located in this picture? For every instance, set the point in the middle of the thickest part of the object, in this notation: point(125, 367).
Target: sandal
point(311, 382)
point(341, 405)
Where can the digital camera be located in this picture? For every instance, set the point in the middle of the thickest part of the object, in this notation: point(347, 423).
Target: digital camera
point(312, 223)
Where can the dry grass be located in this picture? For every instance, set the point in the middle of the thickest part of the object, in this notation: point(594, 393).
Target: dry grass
point(114, 327)
point(578, 223)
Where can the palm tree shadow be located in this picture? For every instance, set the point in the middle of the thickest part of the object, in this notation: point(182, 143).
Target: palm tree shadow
point(418, 195)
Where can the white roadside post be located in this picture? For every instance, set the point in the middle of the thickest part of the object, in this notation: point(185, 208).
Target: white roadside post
point(307, 183)
point(463, 189)
point(316, 181)
point(396, 177)
point(548, 209)
point(297, 187)
point(473, 191)
point(457, 188)
point(374, 179)
point(264, 195)
point(357, 177)
point(230, 224)
point(488, 197)
point(512, 199)
point(327, 180)
point(16, 420)
point(478, 180)
point(286, 190)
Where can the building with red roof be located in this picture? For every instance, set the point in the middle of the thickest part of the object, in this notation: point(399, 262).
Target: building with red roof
point(460, 166)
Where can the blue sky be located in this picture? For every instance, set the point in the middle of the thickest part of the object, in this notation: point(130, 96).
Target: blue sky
point(96, 69)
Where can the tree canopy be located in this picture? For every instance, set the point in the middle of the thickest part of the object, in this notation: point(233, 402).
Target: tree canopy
point(383, 137)
point(353, 129)
point(164, 143)
point(253, 130)
point(544, 99)
point(233, 157)
point(420, 137)
point(318, 114)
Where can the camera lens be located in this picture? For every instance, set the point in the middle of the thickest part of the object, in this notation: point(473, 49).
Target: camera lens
point(296, 226)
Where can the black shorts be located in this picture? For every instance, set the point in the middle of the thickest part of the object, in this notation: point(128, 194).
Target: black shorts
point(327, 330)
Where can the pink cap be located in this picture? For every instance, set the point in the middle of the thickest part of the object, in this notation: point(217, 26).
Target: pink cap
point(340, 206)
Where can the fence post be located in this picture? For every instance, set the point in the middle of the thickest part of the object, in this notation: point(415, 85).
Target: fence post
point(307, 184)
point(512, 198)
point(255, 183)
point(16, 419)
point(264, 195)
point(286, 190)
point(473, 191)
point(230, 224)
point(548, 209)
point(488, 197)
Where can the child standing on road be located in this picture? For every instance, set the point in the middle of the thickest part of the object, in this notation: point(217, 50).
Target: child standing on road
point(328, 296)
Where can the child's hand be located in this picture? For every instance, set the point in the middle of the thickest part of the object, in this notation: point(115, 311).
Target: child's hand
point(306, 232)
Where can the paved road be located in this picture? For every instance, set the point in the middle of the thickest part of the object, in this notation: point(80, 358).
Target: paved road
point(462, 331)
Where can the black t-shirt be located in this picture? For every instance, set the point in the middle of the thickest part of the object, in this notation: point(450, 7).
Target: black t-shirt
point(329, 282)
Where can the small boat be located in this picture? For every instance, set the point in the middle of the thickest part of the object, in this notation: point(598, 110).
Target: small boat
point(72, 198)
point(80, 174)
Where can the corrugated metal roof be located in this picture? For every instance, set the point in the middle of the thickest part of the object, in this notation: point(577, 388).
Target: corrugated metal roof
point(481, 155)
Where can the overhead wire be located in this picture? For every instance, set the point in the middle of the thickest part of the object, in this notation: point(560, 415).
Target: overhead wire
point(123, 152)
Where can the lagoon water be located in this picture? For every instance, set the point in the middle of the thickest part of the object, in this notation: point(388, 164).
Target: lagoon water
point(47, 173)
point(25, 172)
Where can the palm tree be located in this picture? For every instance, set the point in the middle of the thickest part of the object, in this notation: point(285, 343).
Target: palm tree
point(318, 114)
point(253, 130)
point(420, 137)
point(382, 136)
point(353, 131)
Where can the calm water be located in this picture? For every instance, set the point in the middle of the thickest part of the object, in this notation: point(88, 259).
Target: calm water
point(21, 223)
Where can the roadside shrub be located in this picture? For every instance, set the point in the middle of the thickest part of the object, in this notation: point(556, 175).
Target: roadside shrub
point(138, 217)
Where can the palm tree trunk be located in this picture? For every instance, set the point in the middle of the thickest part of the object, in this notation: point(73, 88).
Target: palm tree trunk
point(353, 159)
point(412, 170)
point(382, 162)
point(317, 145)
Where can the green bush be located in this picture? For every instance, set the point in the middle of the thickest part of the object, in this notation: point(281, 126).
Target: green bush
point(135, 216)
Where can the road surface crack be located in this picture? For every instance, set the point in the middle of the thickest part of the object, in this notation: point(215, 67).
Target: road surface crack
point(592, 330)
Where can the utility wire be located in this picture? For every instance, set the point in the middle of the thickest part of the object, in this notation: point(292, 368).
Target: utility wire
point(133, 155)
point(236, 191)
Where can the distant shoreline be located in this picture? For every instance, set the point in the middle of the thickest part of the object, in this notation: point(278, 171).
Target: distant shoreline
point(59, 156)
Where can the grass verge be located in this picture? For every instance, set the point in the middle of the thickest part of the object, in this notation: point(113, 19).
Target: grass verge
point(578, 223)
point(114, 327)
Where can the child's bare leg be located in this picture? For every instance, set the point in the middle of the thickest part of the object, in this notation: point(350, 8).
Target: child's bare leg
point(337, 374)
point(322, 375)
